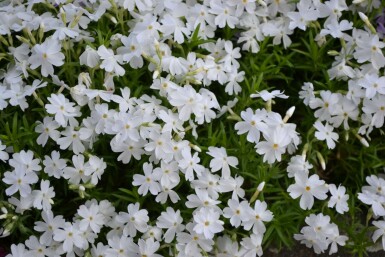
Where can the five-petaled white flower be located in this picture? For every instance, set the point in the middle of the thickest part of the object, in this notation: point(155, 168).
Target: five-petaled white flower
point(46, 55)
point(207, 222)
point(307, 188)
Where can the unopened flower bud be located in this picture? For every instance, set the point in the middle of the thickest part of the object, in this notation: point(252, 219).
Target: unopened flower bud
point(76, 20)
point(363, 141)
point(73, 187)
point(4, 210)
point(365, 19)
point(196, 82)
point(81, 191)
point(261, 2)
point(37, 98)
point(113, 19)
point(63, 16)
point(268, 105)
point(304, 151)
point(289, 113)
point(321, 160)
point(6, 232)
point(4, 41)
point(256, 193)
point(333, 53)
point(195, 147)
point(261, 186)
point(20, 38)
point(156, 74)
point(41, 31)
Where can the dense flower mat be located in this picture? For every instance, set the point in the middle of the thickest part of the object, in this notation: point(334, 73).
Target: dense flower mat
point(191, 128)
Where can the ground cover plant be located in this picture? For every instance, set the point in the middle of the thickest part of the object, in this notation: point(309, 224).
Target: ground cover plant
point(191, 128)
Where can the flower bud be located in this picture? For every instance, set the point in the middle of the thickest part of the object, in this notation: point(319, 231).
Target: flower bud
point(321, 160)
point(261, 186)
point(365, 19)
point(256, 193)
point(4, 210)
point(333, 53)
point(358, 1)
point(156, 74)
point(195, 147)
point(363, 141)
point(289, 113)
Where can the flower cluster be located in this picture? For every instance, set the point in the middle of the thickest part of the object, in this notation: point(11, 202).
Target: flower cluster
point(115, 140)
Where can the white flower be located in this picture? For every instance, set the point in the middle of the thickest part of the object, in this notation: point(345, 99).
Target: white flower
point(47, 129)
point(63, 109)
point(380, 232)
point(298, 164)
point(325, 132)
point(266, 95)
point(174, 26)
point(308, 188)
point(54, 165)
point(187, 100)
point(374, 194)
point(193, 241)
point(148, 248)
point(71, 236)
point(225, 14)
point(134, 220)
point(71, 139)
point(338, 199)
point(4, 156)
point(275, 145)
point(257, 217)
point(335, 29)
point(252, 245)
point(369, 49)
point(148, 181)
point(190, 163)
point(48, 226)
point(172, 221)
point(38, 249)
point(110, 61)
point(20, 180)
point(25, 160)
point(18, 251)
point(306, 13)
point(237, 212)
point(221, 161)
point(202, 199)
point(78, 172)
point(46, 55)
point(89, 57)
point(91, 217)
point(207, 222)
point(121, 246)
point(307, 92)
point(252, 124)
point(43, 197)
